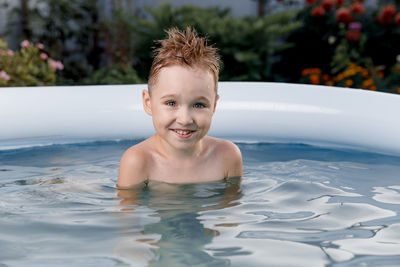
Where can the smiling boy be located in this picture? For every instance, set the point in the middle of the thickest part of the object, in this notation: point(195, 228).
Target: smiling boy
point(181, 98)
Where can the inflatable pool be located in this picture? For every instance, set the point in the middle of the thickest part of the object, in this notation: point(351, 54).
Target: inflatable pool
point(266, 112)
point(320, 185)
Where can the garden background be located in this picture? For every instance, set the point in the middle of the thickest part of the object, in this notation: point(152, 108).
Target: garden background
point(346, 43)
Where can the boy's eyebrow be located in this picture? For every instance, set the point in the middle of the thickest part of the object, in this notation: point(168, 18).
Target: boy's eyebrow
point(168, 96)
point(173, 96)
point(203, 98)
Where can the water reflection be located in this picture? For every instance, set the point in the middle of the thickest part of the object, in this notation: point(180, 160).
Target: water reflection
point(161, 222)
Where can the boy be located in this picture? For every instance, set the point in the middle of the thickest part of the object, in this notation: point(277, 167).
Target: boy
point(181, 98)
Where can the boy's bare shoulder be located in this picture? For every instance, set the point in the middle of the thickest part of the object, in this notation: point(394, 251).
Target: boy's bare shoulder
point(230, 154)
point(133, 168)
point(223, 146)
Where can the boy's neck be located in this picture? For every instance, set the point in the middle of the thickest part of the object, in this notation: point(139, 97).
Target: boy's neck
point(170, 152)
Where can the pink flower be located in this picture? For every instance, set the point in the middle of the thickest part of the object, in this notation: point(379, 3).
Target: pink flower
point(355, 26)
point(56, 65)
point(25, 43)
point(40, 46)
point(4, 76)
point(44, 56)
point(53, 64)
point(10, 53)
point(60, 65)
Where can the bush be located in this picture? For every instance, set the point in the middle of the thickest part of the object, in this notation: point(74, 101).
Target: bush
point(249, 47)
point(30, 66)
point(68, 29)
point(358, 46)
point(87, 39)
point(114, 75)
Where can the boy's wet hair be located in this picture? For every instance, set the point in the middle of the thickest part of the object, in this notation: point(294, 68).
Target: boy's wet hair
point(184, 48)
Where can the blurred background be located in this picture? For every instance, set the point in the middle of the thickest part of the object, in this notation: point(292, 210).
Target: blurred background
point(345, 43)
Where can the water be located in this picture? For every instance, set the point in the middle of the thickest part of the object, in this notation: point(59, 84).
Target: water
point(296, 205)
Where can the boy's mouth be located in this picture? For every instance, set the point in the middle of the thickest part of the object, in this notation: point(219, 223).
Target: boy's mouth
point(183, 133)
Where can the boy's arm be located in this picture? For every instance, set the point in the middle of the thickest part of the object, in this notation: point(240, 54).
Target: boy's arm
point(234, 158)
point(132, 169)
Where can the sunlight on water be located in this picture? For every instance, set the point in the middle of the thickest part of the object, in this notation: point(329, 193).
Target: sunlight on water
point(296, 205)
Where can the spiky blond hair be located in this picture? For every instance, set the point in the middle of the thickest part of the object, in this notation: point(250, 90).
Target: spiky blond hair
point(184, 48)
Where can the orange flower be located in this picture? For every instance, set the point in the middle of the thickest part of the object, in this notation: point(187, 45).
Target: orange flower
point(306, 72)
point(331, 83)
point(339, 77)
point(398, 90)
point(314, 78)
point(381, 74)
point(349, 82)
point(367, 83)
point(373, 88)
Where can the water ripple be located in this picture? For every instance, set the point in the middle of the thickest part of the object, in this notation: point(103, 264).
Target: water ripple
point(295, 206)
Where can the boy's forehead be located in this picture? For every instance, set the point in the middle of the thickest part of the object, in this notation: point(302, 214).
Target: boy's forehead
point(184, 78)
point(196, 71)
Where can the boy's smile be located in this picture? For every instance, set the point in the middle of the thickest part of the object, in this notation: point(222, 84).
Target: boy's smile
point(182, 103)
point(184, 134)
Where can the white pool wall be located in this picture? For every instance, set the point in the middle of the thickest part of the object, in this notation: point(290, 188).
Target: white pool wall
point(246, 111)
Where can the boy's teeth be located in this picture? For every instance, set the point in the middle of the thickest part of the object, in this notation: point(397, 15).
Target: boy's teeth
point(182, 132)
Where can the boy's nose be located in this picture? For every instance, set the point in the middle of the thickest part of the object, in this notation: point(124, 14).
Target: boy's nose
point(184, 116)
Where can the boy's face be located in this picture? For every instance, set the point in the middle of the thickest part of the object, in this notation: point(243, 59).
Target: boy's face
point(182, 104)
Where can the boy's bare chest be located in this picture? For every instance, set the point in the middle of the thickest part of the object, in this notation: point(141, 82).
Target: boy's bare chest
point(187, 172)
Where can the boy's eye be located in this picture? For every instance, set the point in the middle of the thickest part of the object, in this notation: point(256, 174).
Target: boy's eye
point(199, 105)
point(171, 103)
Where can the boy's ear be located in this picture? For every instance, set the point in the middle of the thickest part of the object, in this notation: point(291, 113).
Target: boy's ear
point(215, 102)
point(146, 102)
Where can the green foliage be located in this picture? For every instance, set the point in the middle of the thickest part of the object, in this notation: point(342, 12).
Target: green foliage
point(117, 47)
point(347, 52)
point(29, 66)
point(249, 46)
point(114, 75)
point(68, 28)
point(73, 31)
point(391, 83)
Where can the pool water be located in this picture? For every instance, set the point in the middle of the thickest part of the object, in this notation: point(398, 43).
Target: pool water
point(296, 205)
